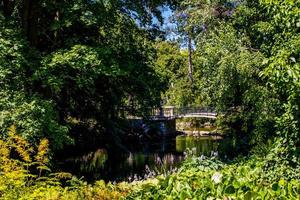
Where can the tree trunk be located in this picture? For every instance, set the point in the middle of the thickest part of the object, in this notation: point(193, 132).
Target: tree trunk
point(190, 61)
point(30, 20)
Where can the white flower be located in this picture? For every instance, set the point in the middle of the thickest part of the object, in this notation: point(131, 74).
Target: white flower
point(194, 150)
point(217, 177)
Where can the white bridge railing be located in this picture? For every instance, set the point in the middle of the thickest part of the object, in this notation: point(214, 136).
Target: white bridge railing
point(171, 112)
point(182, 112)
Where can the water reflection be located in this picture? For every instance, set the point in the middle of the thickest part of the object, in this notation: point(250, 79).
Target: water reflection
point(200, 145)
point(91, 161)
point(153, 158)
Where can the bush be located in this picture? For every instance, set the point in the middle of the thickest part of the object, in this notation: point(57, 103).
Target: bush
point(209, 179)
point(24, 174)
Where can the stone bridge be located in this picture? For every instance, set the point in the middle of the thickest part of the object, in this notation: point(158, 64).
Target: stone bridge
point(166, 116)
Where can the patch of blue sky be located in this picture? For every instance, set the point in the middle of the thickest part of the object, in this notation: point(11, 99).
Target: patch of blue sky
point(168, 26)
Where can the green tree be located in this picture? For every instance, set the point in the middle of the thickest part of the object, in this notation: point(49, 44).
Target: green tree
point(227, 70)
point(66, 63)
point(35, 117)
point(171, 66)
point(281, 23)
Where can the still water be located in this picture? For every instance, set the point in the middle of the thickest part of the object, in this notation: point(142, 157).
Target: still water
point(158, 157)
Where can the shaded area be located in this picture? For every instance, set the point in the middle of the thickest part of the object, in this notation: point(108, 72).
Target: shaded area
point(148, 160)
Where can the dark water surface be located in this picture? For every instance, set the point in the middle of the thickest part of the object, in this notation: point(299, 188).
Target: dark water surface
point(154, 157)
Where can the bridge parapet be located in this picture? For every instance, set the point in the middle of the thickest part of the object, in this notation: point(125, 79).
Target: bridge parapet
point(183, 112)
point(173, 112)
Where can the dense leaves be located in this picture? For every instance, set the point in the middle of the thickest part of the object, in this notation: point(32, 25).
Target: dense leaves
point(245, 64)
point(210, 179)
point(75, 61)
point(71, 68)
point(36, 118)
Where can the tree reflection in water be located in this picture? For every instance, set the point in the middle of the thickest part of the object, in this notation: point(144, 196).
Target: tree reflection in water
point(155, 158)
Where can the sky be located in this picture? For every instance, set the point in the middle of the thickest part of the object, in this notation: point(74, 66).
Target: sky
point(167, 25)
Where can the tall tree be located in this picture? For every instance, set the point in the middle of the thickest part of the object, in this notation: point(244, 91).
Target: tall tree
point(87, 59)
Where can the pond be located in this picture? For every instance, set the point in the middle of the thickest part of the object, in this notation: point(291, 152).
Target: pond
point(153, 158)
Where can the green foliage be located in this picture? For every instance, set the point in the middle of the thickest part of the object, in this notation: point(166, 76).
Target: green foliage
point(13, 62)
point(245, 65)
point(275, 32)
point(210, 179)
point(198, 177)
point(201, 178)
point(171, 65)
point(283, 75)
point(24, 174)
point(34, 117)
point(16, 160)
point(74, 60)
point(227, 76)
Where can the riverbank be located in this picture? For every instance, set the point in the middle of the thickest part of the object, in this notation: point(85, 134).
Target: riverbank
point(195, 127)
point(202, 133)
point(199, 177)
